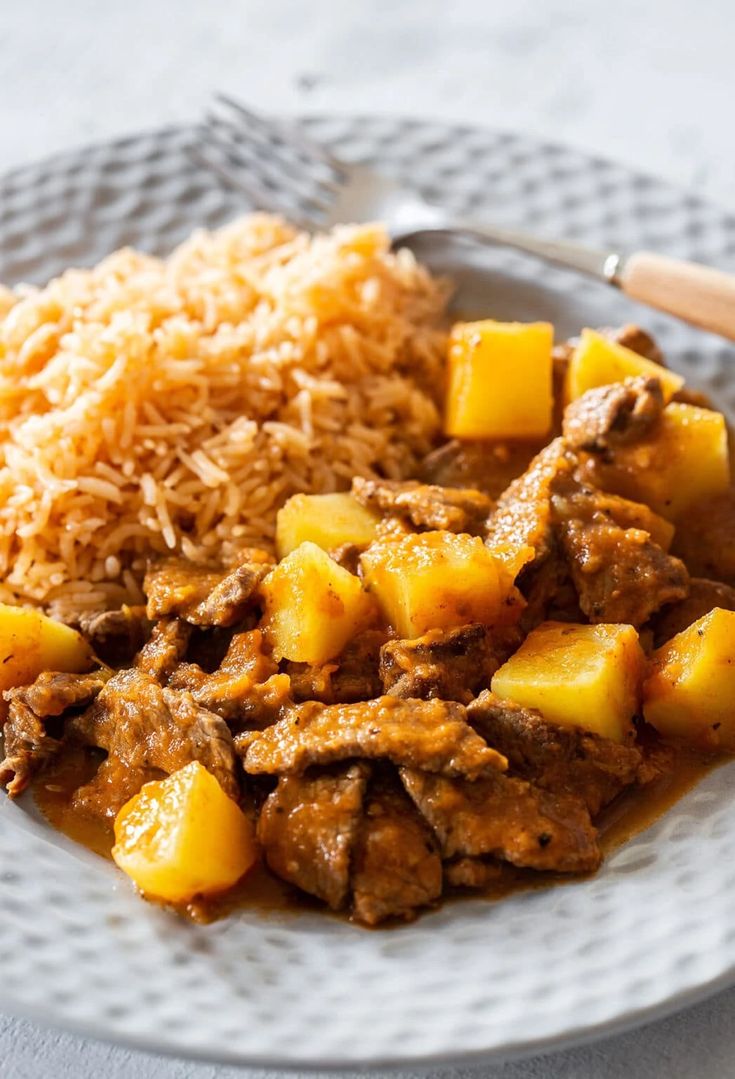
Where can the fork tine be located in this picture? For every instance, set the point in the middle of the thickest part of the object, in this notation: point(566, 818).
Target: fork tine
point(295, 135)
point(237, 177)
point(243, 155)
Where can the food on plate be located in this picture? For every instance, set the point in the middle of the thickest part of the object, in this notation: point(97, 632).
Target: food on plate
point(305, 583)
point(312, 606)
point(513, 355)
point(578, 676)
point(691, 682)
point(598, 360)
point(30, 643)
point(182, 837)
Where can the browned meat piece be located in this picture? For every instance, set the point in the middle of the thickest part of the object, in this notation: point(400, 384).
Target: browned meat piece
point(353, 675)
point(549, 592)
point(426, 506)
point(245, 689)
point(451, 664)
point(145, 728)
point(165, 649)
point(507, 818)
point(116, 636)
point(703, 596)
point(396, 865)
point(28, 745)
point(205, 595)
point(620, 574)
point(564, 760)
point(424, 734)
point(522, 516)
point(477, 873)
point(485, 466)
point(308, 827)
point(613, 415)
point(705, 538)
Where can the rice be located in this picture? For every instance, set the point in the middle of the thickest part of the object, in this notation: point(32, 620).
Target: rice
point(154, 406)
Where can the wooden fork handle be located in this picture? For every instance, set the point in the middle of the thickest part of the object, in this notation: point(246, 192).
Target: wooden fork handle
point(698, 294)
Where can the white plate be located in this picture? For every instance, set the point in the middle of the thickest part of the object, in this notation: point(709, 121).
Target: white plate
point(651, 932)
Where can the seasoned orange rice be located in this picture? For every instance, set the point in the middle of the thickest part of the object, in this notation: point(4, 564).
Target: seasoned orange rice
point(155, 406)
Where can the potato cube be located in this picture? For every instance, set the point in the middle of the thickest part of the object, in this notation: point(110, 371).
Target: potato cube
point(313, 606)
point(30, 642)
point(598, 361)
point(577, 676)
point(183, 837)
point(327, 520)
point(690, 689)
point(500, 380)
point(435, 580)
point(684, 460)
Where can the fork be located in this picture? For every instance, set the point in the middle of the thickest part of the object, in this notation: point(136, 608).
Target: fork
point(281, 170)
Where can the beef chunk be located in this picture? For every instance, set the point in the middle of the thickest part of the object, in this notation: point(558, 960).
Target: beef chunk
point(620, 574)
point(424, 734)
point(549, 592)
point(563, 760)
point(396, 867)
point(485, 466)
point(246, 689)
point(308, 827)
point(160, 656)
point(522, 516)
point(116, 636)
point(28, 745)
point(426, 506)
point(146, 729)
point(353, 676)
point(703, 596)
point(205, 595)
point(507, 818)
point(450, 664)
point(476, 873)
point(613, 415)
point(705, 538)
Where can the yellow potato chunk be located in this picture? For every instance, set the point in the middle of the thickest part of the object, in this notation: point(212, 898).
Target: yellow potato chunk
point(182, 837)
point(684, 460)
point(30, 642)
point(690, 690)
point(500, 380)
point(313, 606)
point(327, 520)
point(577, 676)
point(435, 580)
point(598, 361)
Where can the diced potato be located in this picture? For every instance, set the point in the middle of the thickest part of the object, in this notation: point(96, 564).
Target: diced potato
point(578, 676)
point(313, 606)
point(183, 837)
point(690, 690)
point(684, 460)
point(500, 380)
point(327, 520)
point(30, 642)
point(435, 580)
point(598, 361)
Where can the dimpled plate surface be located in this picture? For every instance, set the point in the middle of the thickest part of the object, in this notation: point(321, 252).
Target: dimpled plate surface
point(652, 931)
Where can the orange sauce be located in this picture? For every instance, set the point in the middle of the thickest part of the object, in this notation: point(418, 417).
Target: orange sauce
point(633, 811)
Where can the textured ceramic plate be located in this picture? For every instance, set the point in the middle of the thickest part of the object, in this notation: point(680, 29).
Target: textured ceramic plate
point(651, 932)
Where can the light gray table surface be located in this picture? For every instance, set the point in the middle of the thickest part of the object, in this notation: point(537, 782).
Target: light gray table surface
point(651, 85)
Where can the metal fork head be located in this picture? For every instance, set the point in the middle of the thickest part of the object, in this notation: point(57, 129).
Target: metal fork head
point(281, 170)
